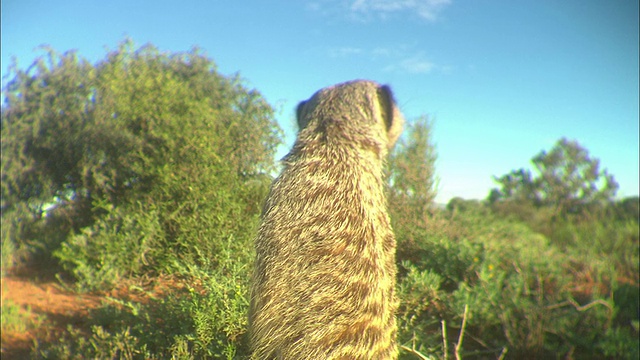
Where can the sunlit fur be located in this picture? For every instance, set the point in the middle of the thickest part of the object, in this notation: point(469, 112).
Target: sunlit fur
point(324, 277)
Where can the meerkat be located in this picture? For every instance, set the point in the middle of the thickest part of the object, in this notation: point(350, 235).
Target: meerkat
point(324, 277)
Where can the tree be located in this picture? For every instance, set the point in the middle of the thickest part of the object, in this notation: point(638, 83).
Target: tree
point(567, 179)
point(626, 209)
point(411, 185)
point(143, 148)
point(412, 171)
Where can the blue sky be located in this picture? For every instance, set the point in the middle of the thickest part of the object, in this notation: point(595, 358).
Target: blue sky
point(502, 80)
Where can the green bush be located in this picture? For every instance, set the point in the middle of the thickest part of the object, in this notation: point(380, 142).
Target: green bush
point(17, 319)
point(521, 291)
point(121, 243)
point(145, 160)
point(204, 319)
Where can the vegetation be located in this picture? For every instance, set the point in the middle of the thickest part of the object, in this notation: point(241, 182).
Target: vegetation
point(569, 182)
point(148, 165)
point(14, 318)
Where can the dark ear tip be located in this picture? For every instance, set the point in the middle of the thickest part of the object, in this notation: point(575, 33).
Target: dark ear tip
point(389, 103)
point(386, 89)
point(299, 110)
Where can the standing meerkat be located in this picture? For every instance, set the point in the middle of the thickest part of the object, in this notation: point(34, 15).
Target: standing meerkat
point(324, 277)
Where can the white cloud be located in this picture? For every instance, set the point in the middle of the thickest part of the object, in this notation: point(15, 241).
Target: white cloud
point(427, 9)
point(380, 51)
point(344, 51)
point(313, 6)
point(399, 58)
point(417, 65)
point(365, 10)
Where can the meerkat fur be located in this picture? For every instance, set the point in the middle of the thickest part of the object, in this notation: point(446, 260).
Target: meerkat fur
point(324, 276)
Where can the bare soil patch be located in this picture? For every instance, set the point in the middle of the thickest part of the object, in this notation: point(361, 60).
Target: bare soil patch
point(58, 307)
point(48, 301)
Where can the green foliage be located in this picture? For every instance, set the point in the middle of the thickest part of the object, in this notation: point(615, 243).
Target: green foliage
point(542, 283)
point(412, 171)
point(98, 344)
point(524, 294)
point(567, 178)
point(7, 252)
point(218, 320)
point(70, 128)
point(121, 243)
point(153, 163)
point(148, 160)
point(17, 319)
point(37, 111)
point(620, 343)
point(421, 309)
point(627, 209)
point(206, 319)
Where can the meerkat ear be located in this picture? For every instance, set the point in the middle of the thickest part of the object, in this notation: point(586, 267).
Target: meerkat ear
point(302, 122)
point(387, 103)
point(393, 119)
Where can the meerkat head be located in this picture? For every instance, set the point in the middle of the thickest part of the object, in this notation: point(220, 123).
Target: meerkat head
point(352, 109)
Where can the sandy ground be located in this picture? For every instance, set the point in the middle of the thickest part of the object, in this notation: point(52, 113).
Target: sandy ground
point(48, 301)
point(59, 307)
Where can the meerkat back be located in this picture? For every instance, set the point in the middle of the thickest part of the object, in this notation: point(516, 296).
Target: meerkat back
point(324, 277)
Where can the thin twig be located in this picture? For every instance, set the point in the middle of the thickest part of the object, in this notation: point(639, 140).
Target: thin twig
point(503, 353)
point(578, 306)
point(414, 352)
point(461, 336)
point(476, 353)
point(444, 340)
point(475, 338)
